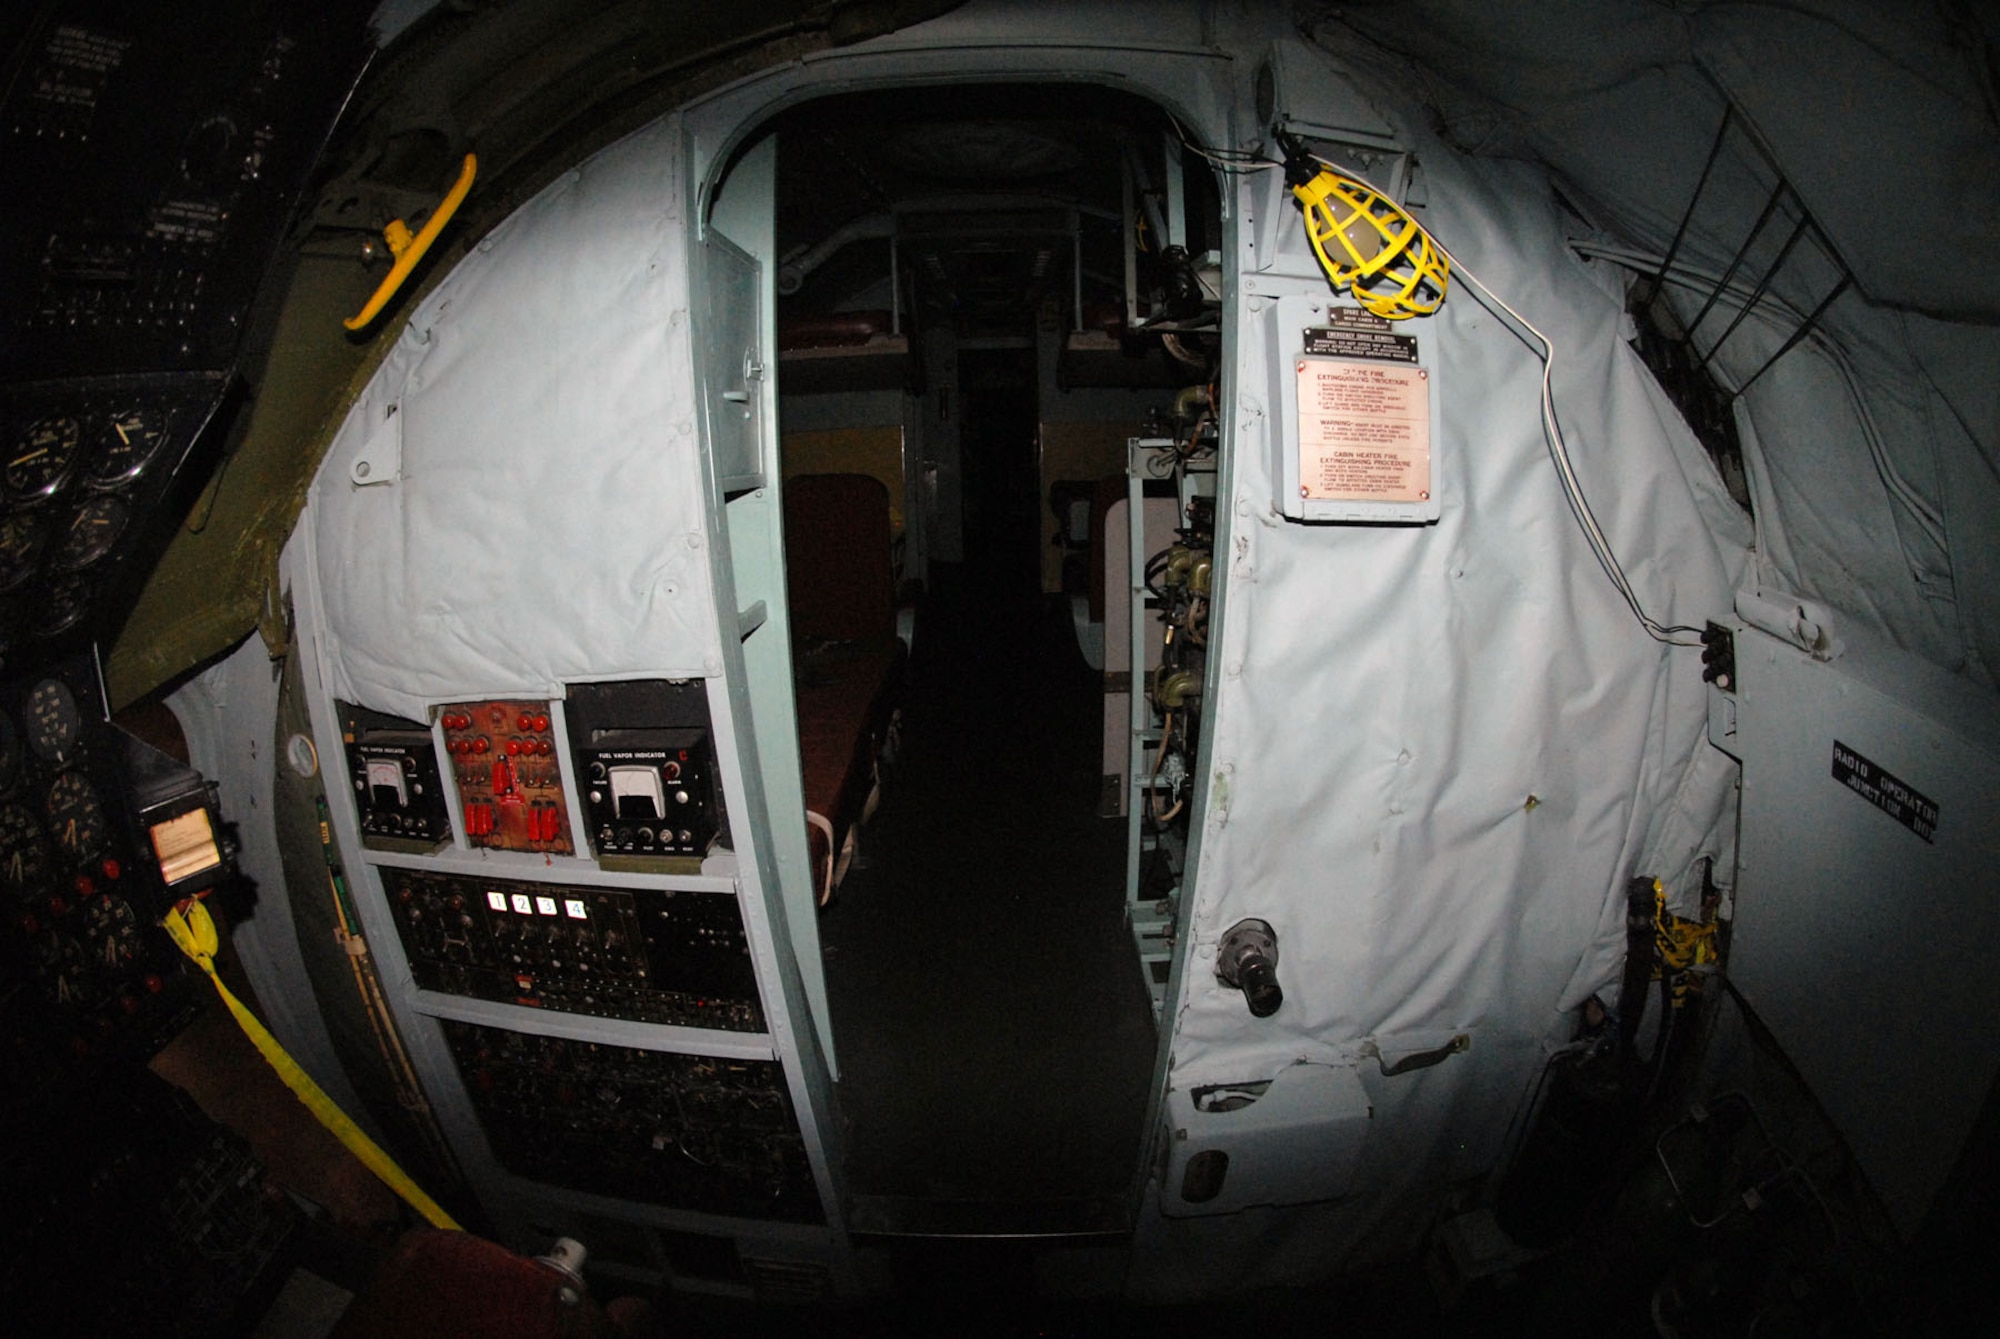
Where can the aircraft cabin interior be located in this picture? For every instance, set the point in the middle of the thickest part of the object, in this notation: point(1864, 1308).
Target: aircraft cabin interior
point(824, 666)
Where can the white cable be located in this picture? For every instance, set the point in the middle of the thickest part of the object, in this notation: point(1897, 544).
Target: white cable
point(1653, 266)
point(1593, 532)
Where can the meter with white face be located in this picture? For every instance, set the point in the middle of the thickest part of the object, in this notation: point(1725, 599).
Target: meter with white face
point(76, 816)
point(55, 725)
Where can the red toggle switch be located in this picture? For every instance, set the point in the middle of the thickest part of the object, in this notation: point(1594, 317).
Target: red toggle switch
point(541, 724)
point(526, 723)
point(513, 748)
point(545, 748)
point(481, 744)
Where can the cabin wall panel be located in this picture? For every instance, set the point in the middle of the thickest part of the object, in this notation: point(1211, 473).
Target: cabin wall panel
point(547, 520)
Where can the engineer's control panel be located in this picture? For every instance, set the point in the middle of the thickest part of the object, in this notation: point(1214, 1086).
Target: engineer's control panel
point(652, 955)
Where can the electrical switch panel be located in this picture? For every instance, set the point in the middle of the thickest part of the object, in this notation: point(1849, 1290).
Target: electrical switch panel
point(653, 955)
point(504, 760)
point(685, 1132)
point(398, 794)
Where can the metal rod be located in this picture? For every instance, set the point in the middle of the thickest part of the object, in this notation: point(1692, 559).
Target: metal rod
point(1742, 254)
point(895, 288)
point(1700, 185)
point(1076, 267)
point(1797, 335)
point(1176, 211)
point(1131, 249)
point(1757, 293)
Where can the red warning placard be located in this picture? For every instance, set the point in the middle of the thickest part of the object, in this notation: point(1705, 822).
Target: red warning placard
point(1364, 431)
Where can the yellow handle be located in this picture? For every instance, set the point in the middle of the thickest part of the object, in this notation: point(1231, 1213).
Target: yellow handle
point(408, 249)
point(194, 933)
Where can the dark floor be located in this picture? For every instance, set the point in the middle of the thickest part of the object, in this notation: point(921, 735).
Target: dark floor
point(994, 1035)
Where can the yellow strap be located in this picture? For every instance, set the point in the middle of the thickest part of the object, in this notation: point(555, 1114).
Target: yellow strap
point(194, 933)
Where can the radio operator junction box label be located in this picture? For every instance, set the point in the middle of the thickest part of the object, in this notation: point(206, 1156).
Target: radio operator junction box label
point(1357, 435)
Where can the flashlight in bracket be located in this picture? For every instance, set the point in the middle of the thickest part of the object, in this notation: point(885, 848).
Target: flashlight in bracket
point(1248, 960)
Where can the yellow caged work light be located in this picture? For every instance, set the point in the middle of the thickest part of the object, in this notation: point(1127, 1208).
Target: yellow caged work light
point(1365, 242)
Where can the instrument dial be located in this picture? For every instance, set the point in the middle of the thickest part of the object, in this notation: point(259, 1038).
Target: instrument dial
point(25, 862)
point(10, 754)
point(40, 458)
point(59, 961)
point(13, 625)
point(111, 929)
point(54, 723)
point(92, 532)
point(75, 816)
point(22, 537)
point(126, 444)
point(67, 601)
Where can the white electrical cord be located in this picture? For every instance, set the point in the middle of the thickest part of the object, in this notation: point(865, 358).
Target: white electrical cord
point(1239, 161)
point(1653, 266)
point(1600, 544)
point(1593, 532)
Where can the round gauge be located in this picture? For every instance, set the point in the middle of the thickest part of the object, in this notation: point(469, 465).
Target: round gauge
point(54, 723)
point(21, 539)
point(92, 532)
point(111, 928)
point(67, 601)
point(75, 816)
point(126, 444)
point(25, 862)
point(13, 624)
point(39, 459)
point(10, 754)
point(60, 964)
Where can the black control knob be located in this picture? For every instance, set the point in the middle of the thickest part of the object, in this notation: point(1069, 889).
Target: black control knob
point(1247, 958)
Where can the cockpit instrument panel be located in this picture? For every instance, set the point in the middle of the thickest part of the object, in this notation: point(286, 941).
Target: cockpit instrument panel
point(79, 896)
point(94, 473)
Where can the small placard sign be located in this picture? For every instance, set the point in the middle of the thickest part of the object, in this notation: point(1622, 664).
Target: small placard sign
point(1887, 792)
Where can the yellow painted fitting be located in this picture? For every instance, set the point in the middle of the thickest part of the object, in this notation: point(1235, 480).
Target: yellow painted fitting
point(408, 249)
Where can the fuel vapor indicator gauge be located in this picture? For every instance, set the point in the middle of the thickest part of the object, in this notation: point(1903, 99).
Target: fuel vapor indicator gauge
point(55, 726)
point(26, 864)
point(39, 458)
point(76, 817)
point(93, 532)
point(126, 443)
point(22, 537)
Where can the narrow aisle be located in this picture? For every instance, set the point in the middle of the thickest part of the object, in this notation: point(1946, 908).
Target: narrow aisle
point(995, 1038)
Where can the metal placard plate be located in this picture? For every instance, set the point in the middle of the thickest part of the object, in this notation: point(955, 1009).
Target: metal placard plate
point(1364, 430)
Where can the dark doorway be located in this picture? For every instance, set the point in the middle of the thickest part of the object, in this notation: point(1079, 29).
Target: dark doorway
point(997, 444)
